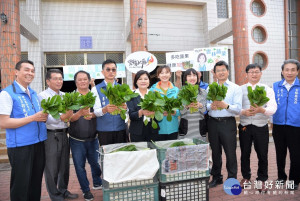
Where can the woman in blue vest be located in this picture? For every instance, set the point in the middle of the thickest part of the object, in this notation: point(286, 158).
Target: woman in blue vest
point(168, 129)
point(137, 129)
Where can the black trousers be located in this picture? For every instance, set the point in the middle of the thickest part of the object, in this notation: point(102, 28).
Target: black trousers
point(260, 137)
point(57, 169)
point(27, 166)
point(287, 137)
point(112, 137)
point(223, 134)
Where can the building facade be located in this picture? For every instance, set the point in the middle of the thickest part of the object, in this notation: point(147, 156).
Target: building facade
point(55, 33)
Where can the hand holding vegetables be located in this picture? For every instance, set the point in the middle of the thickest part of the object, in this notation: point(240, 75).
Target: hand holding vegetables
point(216, 94)
point(40, 116)
point(188, 95)
point(118, 95)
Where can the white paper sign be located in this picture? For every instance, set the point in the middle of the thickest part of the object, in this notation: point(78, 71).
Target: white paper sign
point(180, 60)
point(140, 60)
point(206, 58)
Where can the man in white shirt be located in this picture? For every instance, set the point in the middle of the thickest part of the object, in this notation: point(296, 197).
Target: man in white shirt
point(21, 116)
point(253, 128)
point(57, 149)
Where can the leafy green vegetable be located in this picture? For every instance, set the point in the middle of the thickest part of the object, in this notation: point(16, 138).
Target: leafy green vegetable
point(53, 106)
point(71, 101)
point(188, 94)
point(171, 105)
point(180, 143)
point(87, 100)
point(216, 92)
point(117, 95)
point(131, 147)
point(153, 102)
point(257, 96)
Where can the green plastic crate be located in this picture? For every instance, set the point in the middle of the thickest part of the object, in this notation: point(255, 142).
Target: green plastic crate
point(137, 193)
point(132, 183)
point(188, 175)
point(189, 190)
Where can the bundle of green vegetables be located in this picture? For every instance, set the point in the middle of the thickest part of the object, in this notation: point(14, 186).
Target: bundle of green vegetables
point(257, 96)
point(87, 100)
point(53, 105)
point(171, 105)
point(118, 95)
point(216, 92)
point(130, 147)
point(71, 101)
point(188, 94)
point(153, 102)
point(180, 143)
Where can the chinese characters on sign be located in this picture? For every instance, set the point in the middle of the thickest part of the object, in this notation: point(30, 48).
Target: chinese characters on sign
point(205, 58)
point(180, 60)
point(94, 70)
point(273, 188)
point(86, 42)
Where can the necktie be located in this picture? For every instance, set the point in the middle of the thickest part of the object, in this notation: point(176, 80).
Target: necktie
point(28, 93)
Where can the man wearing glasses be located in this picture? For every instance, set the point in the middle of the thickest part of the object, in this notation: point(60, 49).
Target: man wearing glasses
point(57, 150)
point(253, 128)
point(111, 128)
point(222, 125)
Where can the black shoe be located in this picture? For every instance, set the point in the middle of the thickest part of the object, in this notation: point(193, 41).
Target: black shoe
point(215, 182)
point(69, 195)
point(280, 180)
point(88, 196)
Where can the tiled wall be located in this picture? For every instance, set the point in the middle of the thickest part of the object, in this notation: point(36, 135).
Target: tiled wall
point(274, 46)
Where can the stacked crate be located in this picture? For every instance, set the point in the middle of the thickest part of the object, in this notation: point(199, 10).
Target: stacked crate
point(130, 190)
point(188, 185)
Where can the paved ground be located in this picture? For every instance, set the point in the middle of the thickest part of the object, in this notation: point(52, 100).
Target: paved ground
point(215, 194)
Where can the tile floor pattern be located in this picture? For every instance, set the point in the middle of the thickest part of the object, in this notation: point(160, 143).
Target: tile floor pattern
point(215, 194)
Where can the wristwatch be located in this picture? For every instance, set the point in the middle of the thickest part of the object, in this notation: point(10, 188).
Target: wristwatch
point(227, 107)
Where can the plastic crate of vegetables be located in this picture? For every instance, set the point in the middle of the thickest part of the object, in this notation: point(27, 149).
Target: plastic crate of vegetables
point(128, 165)
point(183, 159)
point(191, 190)
point(147, 192)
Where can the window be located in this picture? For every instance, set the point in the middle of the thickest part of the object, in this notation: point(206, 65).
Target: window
point(161, 58)
point(259, 34)
point(222, 8)
point(261, 59)
point(258, 7)
point(24, 55)
point(293, 25)
point(62, 59)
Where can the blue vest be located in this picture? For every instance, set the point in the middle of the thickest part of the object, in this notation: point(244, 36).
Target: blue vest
point(288, 104)
point(23, 106)
point(108, 122)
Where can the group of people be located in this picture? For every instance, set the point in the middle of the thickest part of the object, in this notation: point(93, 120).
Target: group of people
point(38, 143)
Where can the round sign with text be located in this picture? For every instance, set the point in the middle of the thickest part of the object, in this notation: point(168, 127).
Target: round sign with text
point(140, 60)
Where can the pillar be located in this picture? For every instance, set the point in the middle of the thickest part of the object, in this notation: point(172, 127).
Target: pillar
point(240, 40)
point(10, 48)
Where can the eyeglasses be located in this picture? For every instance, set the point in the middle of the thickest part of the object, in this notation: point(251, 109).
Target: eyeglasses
point(219, 71)
point(254, 72)
point(111, 69)
point(57, 78)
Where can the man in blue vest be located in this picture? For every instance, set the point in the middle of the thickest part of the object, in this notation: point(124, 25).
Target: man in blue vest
point(111, 128)
point(21, 116)
point(286, 123)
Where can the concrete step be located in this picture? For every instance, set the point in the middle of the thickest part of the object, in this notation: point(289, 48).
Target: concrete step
point(3, 151)
point(2, 134)
point(4, 159)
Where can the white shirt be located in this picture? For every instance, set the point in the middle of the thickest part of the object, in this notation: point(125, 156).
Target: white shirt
point(98, 106)
point(288, 85)
point(51, 122)
point(271, 105)
point(6, 101)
